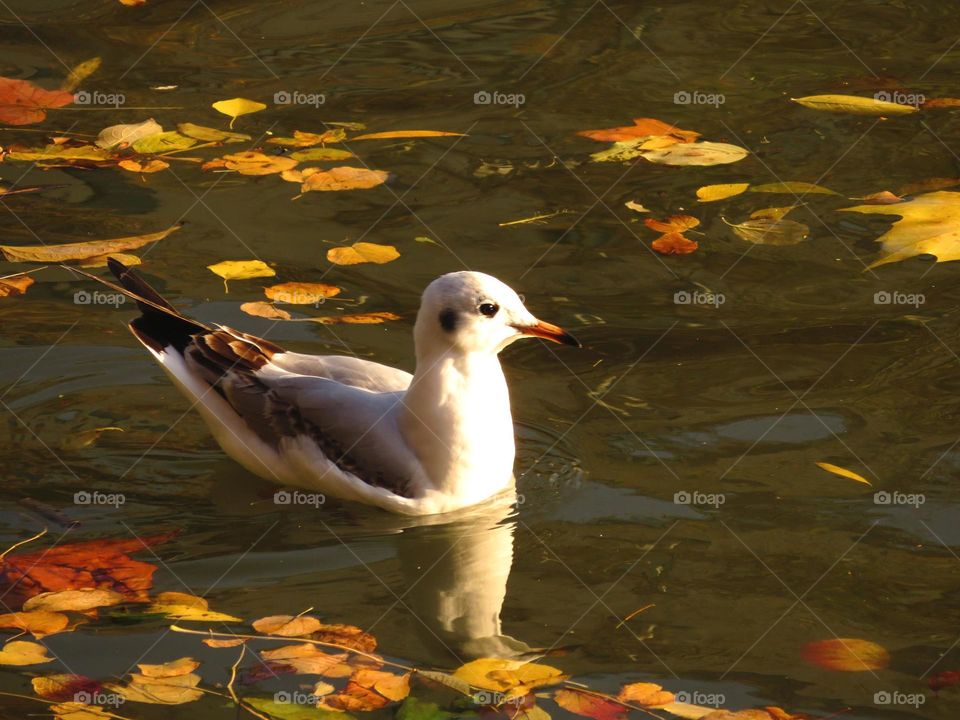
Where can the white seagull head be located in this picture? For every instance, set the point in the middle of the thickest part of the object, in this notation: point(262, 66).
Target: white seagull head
point(470, 312)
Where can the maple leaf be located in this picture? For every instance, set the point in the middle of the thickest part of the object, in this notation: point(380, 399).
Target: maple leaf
point(23, 103)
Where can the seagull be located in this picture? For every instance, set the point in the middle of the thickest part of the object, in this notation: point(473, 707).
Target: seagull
point(436, 441)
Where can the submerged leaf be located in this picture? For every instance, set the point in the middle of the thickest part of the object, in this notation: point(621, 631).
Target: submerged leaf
point(769, 231)
point(23, 103)
point(160, 690)
point(252, 162)
point(674, 223)
point(846, 654)
point(150, 166)
point(320, 154)
point(63, 686)
point(306, 139)
point(207, 134)
point(710, 193)
point(792, 188)
point(854, 104)
point(674, 244)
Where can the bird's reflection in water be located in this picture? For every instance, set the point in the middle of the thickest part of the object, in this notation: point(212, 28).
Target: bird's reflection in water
point(455, 572)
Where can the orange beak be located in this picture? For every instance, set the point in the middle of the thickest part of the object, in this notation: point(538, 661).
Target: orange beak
point(550, 332)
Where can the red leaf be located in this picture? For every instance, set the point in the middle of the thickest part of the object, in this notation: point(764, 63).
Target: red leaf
point(589, 705)
point(674, 244)
point(23, 103)
point(846, 654)
point(948, 678)
point(94, 564)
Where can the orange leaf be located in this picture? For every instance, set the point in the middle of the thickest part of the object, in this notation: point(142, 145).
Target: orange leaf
point(94, 564)
point(846, 654)
point(941, 103)
point(354, 698)
point(373, 318)
point(646, 694)
point(343, 178)
point(674, 244)
point(641, 127)
point(23, 103)
point(589, 705)
point(15, 285)
point(148, 166)
point(406, 134)
point(881, 198)
point(393, 687)
point(674, 223)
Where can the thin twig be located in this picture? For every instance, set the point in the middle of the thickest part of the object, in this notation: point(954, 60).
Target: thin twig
point(22, 542)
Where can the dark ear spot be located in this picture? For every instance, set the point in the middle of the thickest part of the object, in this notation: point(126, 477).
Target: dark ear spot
point(448, 320)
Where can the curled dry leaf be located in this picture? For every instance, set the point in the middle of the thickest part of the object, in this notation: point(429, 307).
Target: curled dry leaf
point(843, 472)
point(23, 103)
point(80, 600)
point(38, 622)
point(299, 293)
point(265, 310)
point(642, 127)
point(182, 606)
point(174, 668)
point(846, 654)
point(15, 284)
point(710, 193)
point(287, 625)
point(149, 166)
point(361, 252)
point(240, 270)
point(23, 652)
point(854, 104)
point(81, 250)
point(235, 107)
point(122, 135)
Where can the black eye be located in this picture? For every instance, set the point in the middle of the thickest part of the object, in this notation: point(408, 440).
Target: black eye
point(488, 309)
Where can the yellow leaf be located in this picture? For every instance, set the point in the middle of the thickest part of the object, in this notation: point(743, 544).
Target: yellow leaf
point(792, 188)
point(646, 694)
point(372, 318)
point(80, 73)
point(287, 625)
point(308, 660)
point(206, 134)
point(265, 310)
point(159, 691)
point(77, 710)
point(240, 270)
point(298, 293)
point(854, 104)
point(504, 675)
point(319, 154)
point(162, 142)
point(74, 600)
point(252, 163)
point(101, 260)
point(774, 213)
point(15, 284)
point(38, 622)
point(635, 206)
point(306, 139)
point(843, 472)
point(174, 668)
point(393, 687)
point(406, 134)
point(53, 153)
point(150, 166)
point(342, 178)
point(181, 606)
point(362, 252)
point(215, 643)
point(22, 652)
point(236, 107)
point(929, 225)
point(81, 250)
point(709, 193)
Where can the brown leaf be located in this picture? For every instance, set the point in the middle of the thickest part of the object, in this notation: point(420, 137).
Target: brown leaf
point(64, 686)
point(343, 178)
point(79, 600)
point(674, 244)
point(298, 293)
point(589, 705)
point(641, 127)
point(287, 625)
point(265, 310)
point(354, 698)
point(15, 284)
point(23, 103)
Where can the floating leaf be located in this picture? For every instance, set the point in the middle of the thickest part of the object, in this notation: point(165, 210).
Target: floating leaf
point(854, 104)
point(22, 652)
point(79, 600)
point(149, 166)
point(174, 668)
point(207, 134)
point(674, 244)
point(63, 686)
point(373, 318)
point(792, 188)
point(342, 178)
point(159, 691)
point(240, 270)
point(589, 705)
point(252, 162)
point(162, 143)
point(23, 103)
point(321, 153)
point(447, 680)
point(392, 134)
point(635, 206)
point(710, 193)
point(55, 153)
point(843, 472)
point(306, 139)
point(265, 310)
point(929, 225)
point(298, 293)
point(503, 675)
point(674, 223)
point(15, 285)
point(642, 127)
point(121, 135)
point(306, 659)
point(846, 654)
point(767, 231)
point(218, 643)
point(361, 252)
point(236, 107)
point(391, 686)
point(885, 197)
point(81, 250)
point(80, 73)
point(646, 694)
point(101, 260)
point(182, 606)
point(38, 622)
point(699, 153)
point(287, 625)
point(76, 710)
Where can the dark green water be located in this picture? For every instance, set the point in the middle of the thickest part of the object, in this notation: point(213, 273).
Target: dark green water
point(798, 365)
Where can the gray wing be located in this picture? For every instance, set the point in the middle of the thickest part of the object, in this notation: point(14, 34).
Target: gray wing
point(347, 370)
